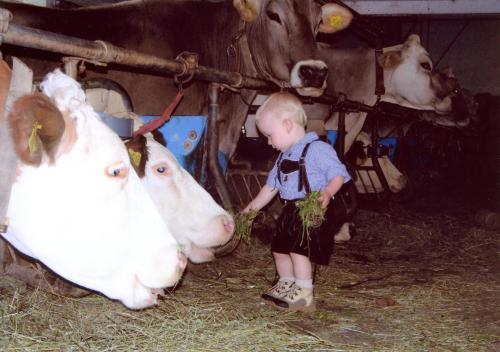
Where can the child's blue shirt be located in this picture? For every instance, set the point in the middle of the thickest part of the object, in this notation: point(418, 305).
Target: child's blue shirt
point(321, 163)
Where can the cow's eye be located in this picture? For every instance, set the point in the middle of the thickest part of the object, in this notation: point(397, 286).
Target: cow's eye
point(425, 66)
point(273, 16)
point(455, 91)
point(162, 169)
point(118, 170)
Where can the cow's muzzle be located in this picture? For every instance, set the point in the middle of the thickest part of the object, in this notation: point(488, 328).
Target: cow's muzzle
point(309, 77)
point(312, 76)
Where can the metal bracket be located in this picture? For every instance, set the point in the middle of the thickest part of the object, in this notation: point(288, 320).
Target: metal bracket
point(189, 62)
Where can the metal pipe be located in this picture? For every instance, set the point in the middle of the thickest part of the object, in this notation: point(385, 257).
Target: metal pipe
point(341, 136)
point(374, 156)
point(213, 146)
point(71, 67)
point(214, 167)
point(104, 52)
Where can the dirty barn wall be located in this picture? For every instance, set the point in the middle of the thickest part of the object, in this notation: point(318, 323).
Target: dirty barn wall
point(471, 47)
point(475, 54)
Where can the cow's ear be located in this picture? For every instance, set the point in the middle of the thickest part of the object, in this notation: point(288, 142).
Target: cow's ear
point(390, 59)
point(247, 9)
point(138, 153)
point(158, 136)
point(334, 18)
point(37, 127)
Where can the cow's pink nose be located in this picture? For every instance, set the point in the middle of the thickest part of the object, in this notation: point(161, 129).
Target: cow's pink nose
point(228, 223)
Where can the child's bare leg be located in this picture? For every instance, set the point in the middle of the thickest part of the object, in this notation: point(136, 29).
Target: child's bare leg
point(302, 267)
point(284, 265)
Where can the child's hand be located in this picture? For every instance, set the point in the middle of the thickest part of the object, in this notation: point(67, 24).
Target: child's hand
point(325, 198)
point(243, 224)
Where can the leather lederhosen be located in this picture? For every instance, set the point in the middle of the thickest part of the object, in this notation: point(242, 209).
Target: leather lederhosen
point(290, 236)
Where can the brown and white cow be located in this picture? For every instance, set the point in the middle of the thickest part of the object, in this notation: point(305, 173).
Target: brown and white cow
point(272, 39)
point(196, 221)
point(409, 81)
point(78, 206)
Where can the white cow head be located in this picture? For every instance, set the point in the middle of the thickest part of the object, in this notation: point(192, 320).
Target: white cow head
point(194, 218)
point(409, 77)
point(78, 207)
point(281, 37)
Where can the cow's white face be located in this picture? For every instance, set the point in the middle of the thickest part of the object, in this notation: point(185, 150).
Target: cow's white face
point(86, 214)
point(409, 77)
point(194, 218)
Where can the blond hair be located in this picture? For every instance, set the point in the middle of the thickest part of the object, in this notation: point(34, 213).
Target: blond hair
point(280, 105)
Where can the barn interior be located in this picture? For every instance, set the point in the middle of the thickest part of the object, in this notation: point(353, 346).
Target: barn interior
point(419, 271)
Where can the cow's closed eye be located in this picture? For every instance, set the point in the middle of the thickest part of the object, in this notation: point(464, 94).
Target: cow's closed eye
point(117, 170)
point(426, 66)
point(273, 16)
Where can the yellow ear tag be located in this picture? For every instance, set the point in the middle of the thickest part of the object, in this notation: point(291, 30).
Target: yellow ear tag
point(135, 157)
point(335, 21)
point(32, 141)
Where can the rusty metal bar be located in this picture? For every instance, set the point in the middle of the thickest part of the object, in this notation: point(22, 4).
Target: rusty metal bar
point(213, 144)
point(104, 52)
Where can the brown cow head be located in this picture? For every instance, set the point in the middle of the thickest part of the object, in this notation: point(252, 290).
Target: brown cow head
point(281, 37)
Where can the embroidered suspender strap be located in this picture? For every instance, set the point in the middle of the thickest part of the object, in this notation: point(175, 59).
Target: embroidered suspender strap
point(278, 164)
point(303, 181)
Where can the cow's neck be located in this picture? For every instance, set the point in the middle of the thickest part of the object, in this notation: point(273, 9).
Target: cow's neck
point(352, 72)
point(234, 106)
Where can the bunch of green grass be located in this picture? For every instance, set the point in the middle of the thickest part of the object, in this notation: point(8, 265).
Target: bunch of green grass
point(310, 212)
point(243, 224)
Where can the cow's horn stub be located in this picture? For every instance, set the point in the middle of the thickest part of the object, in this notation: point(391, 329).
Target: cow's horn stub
point(413, 39)
point(247, 9)
point(334, 18)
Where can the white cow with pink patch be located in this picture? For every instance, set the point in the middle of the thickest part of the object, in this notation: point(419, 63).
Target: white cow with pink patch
point(78, 206)
point(119, 232)
point(196, 221)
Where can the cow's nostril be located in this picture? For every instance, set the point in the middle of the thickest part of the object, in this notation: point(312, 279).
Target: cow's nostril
point(323, 73)
point(306, 72)
point(313, 76)
point(228, 224)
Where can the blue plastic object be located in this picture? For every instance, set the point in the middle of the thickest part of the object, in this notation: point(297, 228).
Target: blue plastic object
point(390, 142)
point(182, 134)
point(223, 161)
point(331, 137)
